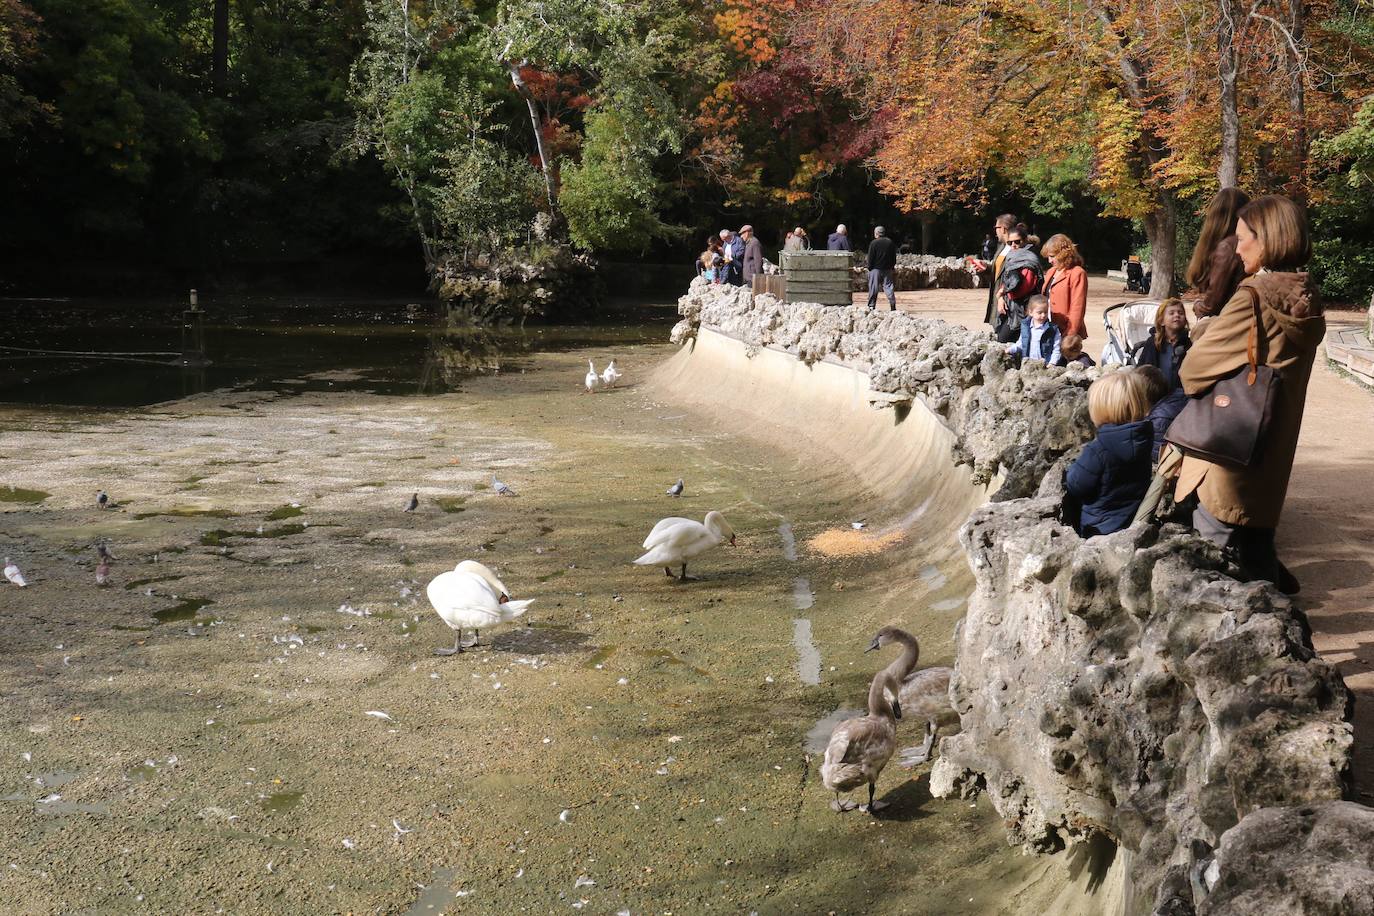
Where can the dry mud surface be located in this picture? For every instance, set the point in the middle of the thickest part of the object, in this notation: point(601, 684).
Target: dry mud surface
point(250, 719)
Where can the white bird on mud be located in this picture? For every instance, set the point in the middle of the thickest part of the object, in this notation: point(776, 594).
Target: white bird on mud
point(13, 574)
point(471, 597)
point(591, 378)
point(674, 541)
point(501, 488)
point(859, 748)
point(611, 375)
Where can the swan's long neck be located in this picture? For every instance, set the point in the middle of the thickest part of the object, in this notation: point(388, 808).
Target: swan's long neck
point(878, 703)
point(905, 663)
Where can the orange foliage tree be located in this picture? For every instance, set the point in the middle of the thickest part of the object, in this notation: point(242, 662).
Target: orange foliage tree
point(969, 86)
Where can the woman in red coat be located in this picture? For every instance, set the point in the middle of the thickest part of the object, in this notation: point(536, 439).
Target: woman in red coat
point(1066, 284)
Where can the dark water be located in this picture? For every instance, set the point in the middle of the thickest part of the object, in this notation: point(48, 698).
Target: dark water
point(284, 345)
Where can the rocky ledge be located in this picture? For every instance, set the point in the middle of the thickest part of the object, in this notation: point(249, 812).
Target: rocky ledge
point(1126, 687)
point(928, 271)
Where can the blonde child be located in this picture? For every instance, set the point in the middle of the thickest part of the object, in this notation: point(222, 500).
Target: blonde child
point(1113, 473)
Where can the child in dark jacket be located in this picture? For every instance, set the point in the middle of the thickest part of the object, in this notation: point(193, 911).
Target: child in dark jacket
point(1165, 403)
point(1112, 475)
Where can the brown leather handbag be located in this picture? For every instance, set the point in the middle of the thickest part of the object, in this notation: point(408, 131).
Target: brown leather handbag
point(1226, 425)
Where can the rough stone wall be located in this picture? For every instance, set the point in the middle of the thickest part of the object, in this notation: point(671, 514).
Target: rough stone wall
point(1125, 686)
point(927, 271)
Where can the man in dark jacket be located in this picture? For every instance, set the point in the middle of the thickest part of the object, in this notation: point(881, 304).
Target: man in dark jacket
point(1001, 226)
point(734, 264)
point(753, 254)
point(839, 240)
point(882, 261)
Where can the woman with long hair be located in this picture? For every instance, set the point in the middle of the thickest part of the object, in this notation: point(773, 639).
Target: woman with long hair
point(1168, 344)
point(1214, 271)
point(1066, 285)
point(1239, 507)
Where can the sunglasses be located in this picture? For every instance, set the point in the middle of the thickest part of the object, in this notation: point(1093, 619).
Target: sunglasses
point(1016, 241)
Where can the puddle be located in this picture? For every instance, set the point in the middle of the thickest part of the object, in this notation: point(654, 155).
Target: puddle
point(605, 652)
point(789, 542)
point(949, 604)
point(138, 582)
point(217, 537)
point(281, 802)
point(452, 503)
point(183, 611)
point(141, 773)
point(819, 735)
point(933, 578)
point(553, 575)
point(808, 656)
point(188, 513)
point(437, 894)
point(55, 779)
point(282, 512)
point(10, 494)
point(802, 596)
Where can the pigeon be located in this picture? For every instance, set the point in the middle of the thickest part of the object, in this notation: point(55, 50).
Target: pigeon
point(414, 502)
point(611, 375)
point(13, 574)
point(676, 489)
point(103, 552)
point(102, 499)
point(500, 488)
point(102, 572)
point(591, 378)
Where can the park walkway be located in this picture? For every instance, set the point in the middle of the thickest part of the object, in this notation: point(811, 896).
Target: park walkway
point(1327, 534)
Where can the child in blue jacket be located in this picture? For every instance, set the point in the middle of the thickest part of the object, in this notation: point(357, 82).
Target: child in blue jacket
point(1111, 476)
point(1039, 336)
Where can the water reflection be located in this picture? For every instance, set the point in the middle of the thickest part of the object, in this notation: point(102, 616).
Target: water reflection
point(286, 347)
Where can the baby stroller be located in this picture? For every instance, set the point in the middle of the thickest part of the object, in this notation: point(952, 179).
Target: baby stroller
point(1128, 324)
point(1135, 277)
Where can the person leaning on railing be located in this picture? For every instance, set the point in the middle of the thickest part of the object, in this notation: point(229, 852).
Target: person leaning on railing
point(1239, 507)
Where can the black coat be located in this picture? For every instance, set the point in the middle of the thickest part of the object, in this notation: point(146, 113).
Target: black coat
point(1147, 354)
point(882, 254)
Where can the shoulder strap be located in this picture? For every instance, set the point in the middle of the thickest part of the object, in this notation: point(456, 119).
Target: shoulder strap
point(1252, 346)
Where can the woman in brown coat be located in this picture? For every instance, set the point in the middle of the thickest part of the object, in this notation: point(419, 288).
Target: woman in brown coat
point(1239, 508)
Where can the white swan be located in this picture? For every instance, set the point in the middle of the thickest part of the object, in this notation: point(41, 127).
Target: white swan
point(676, 540)
point(471, 597)
point(591, 378)
point(611, 375)
point(859, 748)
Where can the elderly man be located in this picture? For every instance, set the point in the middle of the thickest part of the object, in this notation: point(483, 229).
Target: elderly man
point(797, 240)
point(753, 254)
point(882, 262)
point(732, 247)
point(839, 240)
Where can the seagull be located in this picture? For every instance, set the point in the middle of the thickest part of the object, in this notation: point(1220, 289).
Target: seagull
point(591, 377)
point(102, 572)
point(500, 488)
point(102, 499)
point(414, 502)
point(611, 375)
point(13, 574)
point(676, 489)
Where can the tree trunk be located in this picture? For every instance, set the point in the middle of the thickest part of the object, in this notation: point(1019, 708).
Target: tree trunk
point(1228, 168)
point(536, 123)
point(1297, 98)
point(927, 220)
point(219, 55)
point(1161, 228)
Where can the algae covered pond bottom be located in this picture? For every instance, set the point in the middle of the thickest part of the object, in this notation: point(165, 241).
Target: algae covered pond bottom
point(256, 720)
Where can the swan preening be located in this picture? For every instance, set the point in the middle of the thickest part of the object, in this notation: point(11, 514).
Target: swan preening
point(675, 540)
point(611, 375)
point(471, 597)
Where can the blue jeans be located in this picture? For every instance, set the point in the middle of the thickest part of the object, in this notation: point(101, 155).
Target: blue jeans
point(883, 277)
